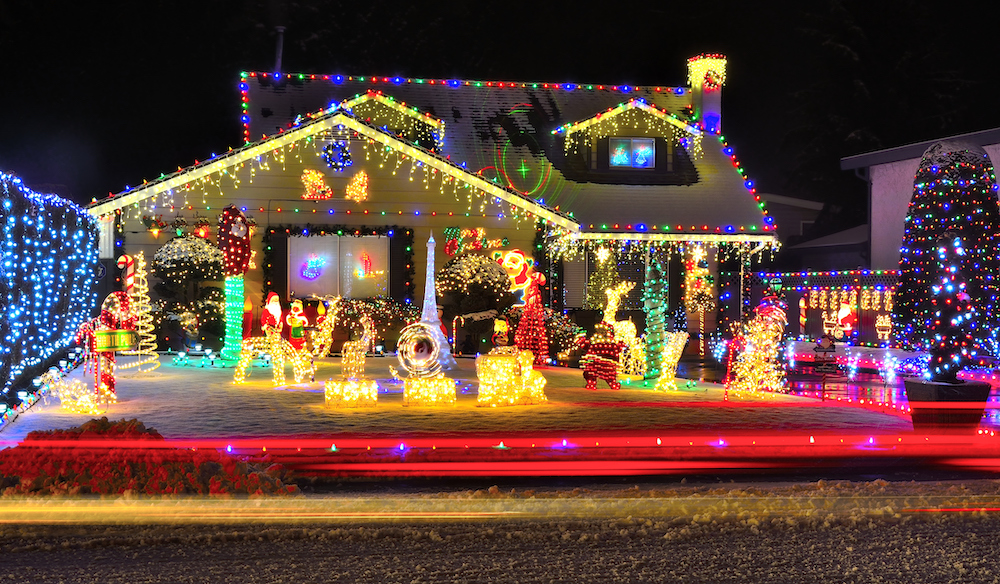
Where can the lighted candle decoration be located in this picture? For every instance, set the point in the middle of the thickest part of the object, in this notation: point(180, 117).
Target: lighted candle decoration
point(418, 351)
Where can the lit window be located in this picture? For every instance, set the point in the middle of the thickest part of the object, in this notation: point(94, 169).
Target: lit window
point(632, 153)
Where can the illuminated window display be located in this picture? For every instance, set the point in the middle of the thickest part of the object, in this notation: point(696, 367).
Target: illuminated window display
point(351, 267)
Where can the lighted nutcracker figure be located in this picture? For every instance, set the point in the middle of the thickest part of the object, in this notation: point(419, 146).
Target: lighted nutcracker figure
point(601, 357)
point(296, 322)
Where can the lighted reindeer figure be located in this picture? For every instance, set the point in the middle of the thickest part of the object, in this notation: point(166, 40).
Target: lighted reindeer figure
point(633, 358)
point(276, 346)
point(322, 338)
point(353, 362)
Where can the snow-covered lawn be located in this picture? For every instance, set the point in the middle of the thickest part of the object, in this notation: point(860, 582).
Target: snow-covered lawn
point(194, 402)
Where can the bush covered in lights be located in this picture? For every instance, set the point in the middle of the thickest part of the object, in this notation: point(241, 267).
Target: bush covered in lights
point(183, 262)
point(954, 191)
point(473, 283)
point(562, 332)
point(48, 270)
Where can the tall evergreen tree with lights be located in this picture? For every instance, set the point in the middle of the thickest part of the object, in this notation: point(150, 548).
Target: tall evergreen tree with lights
point(954, 191)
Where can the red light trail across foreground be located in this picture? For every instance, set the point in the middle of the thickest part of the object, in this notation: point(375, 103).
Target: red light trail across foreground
point(592, 454)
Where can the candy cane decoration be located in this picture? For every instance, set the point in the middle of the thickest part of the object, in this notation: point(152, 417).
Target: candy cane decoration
point(127, 263)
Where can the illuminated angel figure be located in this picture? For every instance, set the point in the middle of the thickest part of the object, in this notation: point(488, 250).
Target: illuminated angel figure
point(756, 366)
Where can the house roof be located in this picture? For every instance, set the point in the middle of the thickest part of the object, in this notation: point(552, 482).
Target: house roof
point(313, 126)
point(508, 133)
point(980, 138)
point(852, 236)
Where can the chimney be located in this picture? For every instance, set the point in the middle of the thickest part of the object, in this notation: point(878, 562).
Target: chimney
point(707, 75)
point(277, 51)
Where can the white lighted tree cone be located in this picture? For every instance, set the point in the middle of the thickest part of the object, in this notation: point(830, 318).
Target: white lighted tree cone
point(148, 359)
point(429, 313)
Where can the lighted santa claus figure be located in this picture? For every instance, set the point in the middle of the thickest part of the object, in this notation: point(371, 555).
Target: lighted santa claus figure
point(270, 318)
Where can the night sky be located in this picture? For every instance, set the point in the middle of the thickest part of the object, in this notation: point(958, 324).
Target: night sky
point(97, 96)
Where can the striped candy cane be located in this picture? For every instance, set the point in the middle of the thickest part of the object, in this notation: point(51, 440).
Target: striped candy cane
point(127, 263)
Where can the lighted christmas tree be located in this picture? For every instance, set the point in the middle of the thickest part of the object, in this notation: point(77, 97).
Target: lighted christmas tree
point(699, 289)
point(530, 335)
point(146, 350)
point(603, 278)
point(953, 346)
point(954, 191)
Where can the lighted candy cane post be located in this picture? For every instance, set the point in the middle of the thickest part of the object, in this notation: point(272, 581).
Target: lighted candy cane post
point(113, 330)
point(234, 241)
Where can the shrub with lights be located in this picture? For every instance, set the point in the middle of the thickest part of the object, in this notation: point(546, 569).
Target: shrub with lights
point(47, 275)
point(183, 265)
point(473, 283)
point(955, 192)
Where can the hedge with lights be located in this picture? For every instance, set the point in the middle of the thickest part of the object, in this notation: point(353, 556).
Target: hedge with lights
point(48, 269)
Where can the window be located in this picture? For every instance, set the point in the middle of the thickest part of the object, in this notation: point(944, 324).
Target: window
point(632, 153)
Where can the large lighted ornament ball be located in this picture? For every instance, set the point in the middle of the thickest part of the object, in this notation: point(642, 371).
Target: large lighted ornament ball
point(419, 350)
point(234, 240)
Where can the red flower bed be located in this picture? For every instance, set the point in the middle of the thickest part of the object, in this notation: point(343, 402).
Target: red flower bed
point(34, 468)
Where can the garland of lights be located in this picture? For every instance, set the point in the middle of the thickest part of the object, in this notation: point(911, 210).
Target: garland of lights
point(954, 190)
point(386, 112)
point(48, 267)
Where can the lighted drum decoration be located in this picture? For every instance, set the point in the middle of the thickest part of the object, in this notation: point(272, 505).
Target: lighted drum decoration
point(418, 352)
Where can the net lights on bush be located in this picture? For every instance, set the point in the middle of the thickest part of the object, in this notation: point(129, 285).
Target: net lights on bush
point(48, 267)
point(954, 317)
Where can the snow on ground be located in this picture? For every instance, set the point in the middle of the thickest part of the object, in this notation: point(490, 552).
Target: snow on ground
point(194, 402)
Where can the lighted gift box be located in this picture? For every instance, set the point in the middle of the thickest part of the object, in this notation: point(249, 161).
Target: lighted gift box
point(351, 393)
point(429, 391)
point(509, 380)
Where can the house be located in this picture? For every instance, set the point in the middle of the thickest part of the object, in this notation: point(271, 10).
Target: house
point(375, 165)
point(889, 174)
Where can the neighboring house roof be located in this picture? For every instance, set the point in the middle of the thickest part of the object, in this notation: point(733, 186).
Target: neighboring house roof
point(980, 138)
point(852, 236)
point(310, 128)
point(509, 134)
